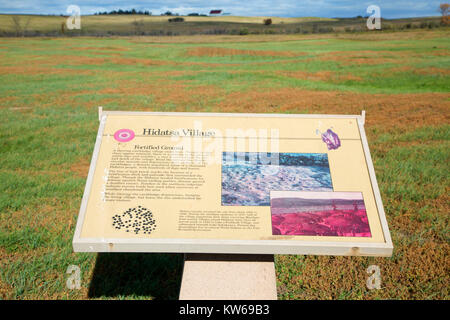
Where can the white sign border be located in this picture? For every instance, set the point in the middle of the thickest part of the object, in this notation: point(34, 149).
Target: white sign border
point(232, 246)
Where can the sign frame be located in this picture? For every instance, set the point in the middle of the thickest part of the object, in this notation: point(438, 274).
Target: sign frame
point(233, 246)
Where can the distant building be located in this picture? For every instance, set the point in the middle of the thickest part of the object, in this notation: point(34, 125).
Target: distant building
point(215, 12)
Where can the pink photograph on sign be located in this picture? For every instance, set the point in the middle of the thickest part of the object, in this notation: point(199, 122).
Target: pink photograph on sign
point(302, 213)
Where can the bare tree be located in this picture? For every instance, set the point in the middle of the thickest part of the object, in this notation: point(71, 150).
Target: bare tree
point(20, 29)
point(17, 25)
point(443, 9)
point(27, 23)
point(138, 26)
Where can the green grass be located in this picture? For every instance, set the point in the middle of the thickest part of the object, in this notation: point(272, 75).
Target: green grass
point(375, 78)
point(51, 88)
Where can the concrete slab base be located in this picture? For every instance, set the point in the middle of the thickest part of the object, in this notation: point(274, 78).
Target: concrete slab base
point(228, 277)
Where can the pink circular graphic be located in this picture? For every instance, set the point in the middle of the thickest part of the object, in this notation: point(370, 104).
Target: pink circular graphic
point(124, 135)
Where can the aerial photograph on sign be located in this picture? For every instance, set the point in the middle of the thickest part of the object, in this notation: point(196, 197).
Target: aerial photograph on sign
point(224, 150)
point(247, 180)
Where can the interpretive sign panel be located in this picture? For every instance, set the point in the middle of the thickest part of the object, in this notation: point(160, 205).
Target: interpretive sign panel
point(232, 183)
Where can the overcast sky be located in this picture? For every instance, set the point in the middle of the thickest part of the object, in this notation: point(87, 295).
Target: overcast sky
point(283, 8)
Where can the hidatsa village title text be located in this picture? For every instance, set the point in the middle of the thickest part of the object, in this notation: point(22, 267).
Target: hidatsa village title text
point(178, 133)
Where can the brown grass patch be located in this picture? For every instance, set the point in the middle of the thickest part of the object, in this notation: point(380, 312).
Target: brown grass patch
point(313, 76)
point(357, 58)
point(223, 38)
point(71, 60)
point(440, 53)
point(387, 111)
point(138, 61)
point(422, 71)
point(384, 147)
point(81, 60)
point(35, 69)
point(120, 60)
point(368, 57)
point(101, 48)
point(5, 259)
point(433, 71)
point(401, 69)
point(50, 216)
point(81, 167)
point(166, 92)
point(49, 64)
point(58, 98)
point(321, 76)
point(348, 77)
point(10, 102)
point(413, 227)
point(221, 52)
point(372, 36)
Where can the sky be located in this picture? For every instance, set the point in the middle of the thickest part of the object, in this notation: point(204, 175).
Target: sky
point(283, 8)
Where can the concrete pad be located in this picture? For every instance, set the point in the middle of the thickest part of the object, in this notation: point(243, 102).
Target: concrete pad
point(228, 277)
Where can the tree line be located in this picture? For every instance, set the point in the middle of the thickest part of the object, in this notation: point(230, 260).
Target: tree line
point(144, 12)
point(120, 11)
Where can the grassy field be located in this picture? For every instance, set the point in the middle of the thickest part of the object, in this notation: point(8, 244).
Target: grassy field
point(107, 25)
point(51, 88)
point(124, 23)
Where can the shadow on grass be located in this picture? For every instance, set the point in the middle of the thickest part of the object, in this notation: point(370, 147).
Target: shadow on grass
point(137, 275)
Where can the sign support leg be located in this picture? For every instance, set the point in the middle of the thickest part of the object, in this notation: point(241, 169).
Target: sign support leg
point(228, 277)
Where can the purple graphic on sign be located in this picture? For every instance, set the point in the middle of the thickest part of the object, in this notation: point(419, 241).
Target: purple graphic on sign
point(124, 135)
point(331, 139)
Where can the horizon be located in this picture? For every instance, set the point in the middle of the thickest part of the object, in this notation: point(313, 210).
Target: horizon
point(342, 9)
point(185, 15)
